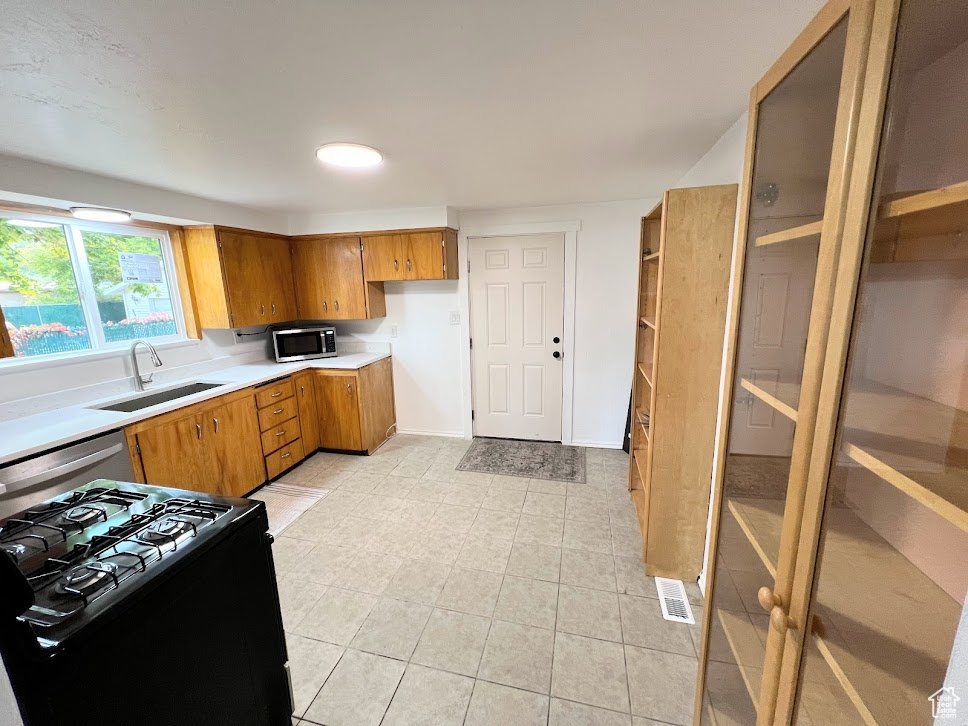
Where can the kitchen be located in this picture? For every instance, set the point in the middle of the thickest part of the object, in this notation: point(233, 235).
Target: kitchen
point(436, 363)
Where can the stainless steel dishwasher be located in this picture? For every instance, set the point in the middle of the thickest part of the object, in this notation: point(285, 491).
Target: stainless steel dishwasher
point(32, 480)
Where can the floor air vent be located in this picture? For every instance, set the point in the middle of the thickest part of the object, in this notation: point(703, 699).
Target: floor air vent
point(672, 598)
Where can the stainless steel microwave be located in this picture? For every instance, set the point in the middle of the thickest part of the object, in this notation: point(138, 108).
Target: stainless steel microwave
point(304, 343)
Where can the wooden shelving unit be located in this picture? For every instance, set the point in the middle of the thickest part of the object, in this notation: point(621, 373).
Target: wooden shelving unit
point(924, 226)
point(933, 199)
point(686, 239)
point(800, 232)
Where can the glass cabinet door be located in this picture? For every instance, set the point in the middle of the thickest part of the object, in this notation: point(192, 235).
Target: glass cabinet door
point(892, 569)
point(796, 123)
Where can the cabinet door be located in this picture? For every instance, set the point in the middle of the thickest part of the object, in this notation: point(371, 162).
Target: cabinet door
point(889, 583)
point(424, 258)
point(385, 257)
point(231, 433)
point(175, 454)
point(328, 275)
point(338, 405)
point(308, 415)
point(801, 115)
point(277, 266)
point(378, 413)
point(247, 279)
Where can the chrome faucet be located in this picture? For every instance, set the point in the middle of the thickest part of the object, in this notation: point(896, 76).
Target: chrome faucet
point(140, 380)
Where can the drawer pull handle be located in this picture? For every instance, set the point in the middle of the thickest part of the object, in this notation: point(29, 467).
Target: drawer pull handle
point(273, 308)
point(396, 265)
point(408, 266)
point(279, 410)
point(263, 310)
point(337, 306)
point(286, 455)
point(216, 425)
point(281, 433)
point(198, 430)
point(276, 394)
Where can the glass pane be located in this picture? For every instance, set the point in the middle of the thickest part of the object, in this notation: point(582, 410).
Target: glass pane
point(893, 568)
point(134, 299)
point(38, 291)
point(794, 142)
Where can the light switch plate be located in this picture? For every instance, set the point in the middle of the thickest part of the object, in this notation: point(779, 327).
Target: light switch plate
point(454, 317)
point(393, 331)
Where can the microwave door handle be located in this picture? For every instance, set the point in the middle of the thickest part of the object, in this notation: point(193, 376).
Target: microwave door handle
point(27, 482)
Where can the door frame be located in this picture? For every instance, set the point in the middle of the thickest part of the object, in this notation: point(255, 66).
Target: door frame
point(569, 233)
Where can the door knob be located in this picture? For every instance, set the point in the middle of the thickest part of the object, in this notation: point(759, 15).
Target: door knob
point(556, 354)
point(780, 621)
point(768, 599)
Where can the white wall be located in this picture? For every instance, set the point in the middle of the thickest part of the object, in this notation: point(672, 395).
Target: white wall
point(722, 164)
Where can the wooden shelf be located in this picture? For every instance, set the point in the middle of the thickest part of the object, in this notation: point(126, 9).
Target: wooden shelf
point(653, 256)
point(857, 564)
point(916, 445)
point(645, 428)
point(650, 322)
point(731, 624)
point(637, 457)
point(801, 232)
point(646, 370)
point(785, 399)
point(924, 201)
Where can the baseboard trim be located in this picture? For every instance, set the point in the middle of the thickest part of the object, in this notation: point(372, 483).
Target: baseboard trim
point(448, 434)
point(598, 444)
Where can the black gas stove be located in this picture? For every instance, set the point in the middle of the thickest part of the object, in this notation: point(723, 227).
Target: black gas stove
point(112, 565)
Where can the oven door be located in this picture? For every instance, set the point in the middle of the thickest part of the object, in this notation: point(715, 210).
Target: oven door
point(292, 345)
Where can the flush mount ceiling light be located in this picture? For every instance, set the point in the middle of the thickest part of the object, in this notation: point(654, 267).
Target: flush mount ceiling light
point(31, 224)
point(101, 214)
point(353, 156)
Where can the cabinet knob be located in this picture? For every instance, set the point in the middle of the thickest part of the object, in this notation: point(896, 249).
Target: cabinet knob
point(780, 620)
point(349, 388)
point(302, 390)
point(768, 599)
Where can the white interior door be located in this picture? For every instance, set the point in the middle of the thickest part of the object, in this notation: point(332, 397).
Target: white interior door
point(517, 322)
point(778, 288)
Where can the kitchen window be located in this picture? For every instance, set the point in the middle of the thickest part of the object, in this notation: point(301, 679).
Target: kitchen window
point(67, 287)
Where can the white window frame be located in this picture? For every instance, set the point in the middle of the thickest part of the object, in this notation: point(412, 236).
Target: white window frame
point(87, 296)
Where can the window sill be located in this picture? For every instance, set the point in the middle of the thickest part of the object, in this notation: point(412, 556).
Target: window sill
point(21, 365)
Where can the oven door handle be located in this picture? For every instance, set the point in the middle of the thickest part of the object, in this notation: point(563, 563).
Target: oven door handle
point(26, 482)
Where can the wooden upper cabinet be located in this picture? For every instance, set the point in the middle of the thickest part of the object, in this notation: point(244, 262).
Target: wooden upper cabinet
point(328, 274)
point(418, 255)
point(239, 278)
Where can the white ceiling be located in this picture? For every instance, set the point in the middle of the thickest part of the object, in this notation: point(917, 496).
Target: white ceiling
point(476, 103)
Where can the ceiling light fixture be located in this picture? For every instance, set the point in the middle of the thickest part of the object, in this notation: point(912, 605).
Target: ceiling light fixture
point(31, 224)
point(354, 156)
point(101, 214)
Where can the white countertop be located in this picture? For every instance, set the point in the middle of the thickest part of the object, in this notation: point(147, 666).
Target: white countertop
point(39, 432)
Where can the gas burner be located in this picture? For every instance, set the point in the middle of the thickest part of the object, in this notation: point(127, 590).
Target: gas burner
point(85, 515)
point(169, 529)
point(87, 578)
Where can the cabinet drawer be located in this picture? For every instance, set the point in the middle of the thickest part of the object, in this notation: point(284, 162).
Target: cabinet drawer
point(276, 413)
point(286, 457)
point(274, 393)
point(280, 435)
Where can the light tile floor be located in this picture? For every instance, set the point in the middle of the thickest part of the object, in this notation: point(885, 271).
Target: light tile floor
point(413, 593)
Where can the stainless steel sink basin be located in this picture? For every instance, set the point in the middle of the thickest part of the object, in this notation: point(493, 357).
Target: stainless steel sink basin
point(153, 399)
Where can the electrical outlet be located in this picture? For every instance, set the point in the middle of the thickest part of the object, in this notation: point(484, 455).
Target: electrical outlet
point(393, 331)
point(454, 317)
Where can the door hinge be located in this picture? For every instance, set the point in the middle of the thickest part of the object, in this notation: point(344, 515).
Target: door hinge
point(361, 245)
point(472, 343)
point(220, 245)
point(137, 447)
point(232, 319)
point(472, 414)
point(468, 265)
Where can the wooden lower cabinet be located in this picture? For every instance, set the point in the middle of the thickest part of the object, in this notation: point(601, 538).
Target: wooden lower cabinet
point(308, 411)
point(339, 410)
point(356, 409)
point(211, 447)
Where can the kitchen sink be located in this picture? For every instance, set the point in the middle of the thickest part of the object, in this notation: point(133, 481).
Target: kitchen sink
point(153, 399)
